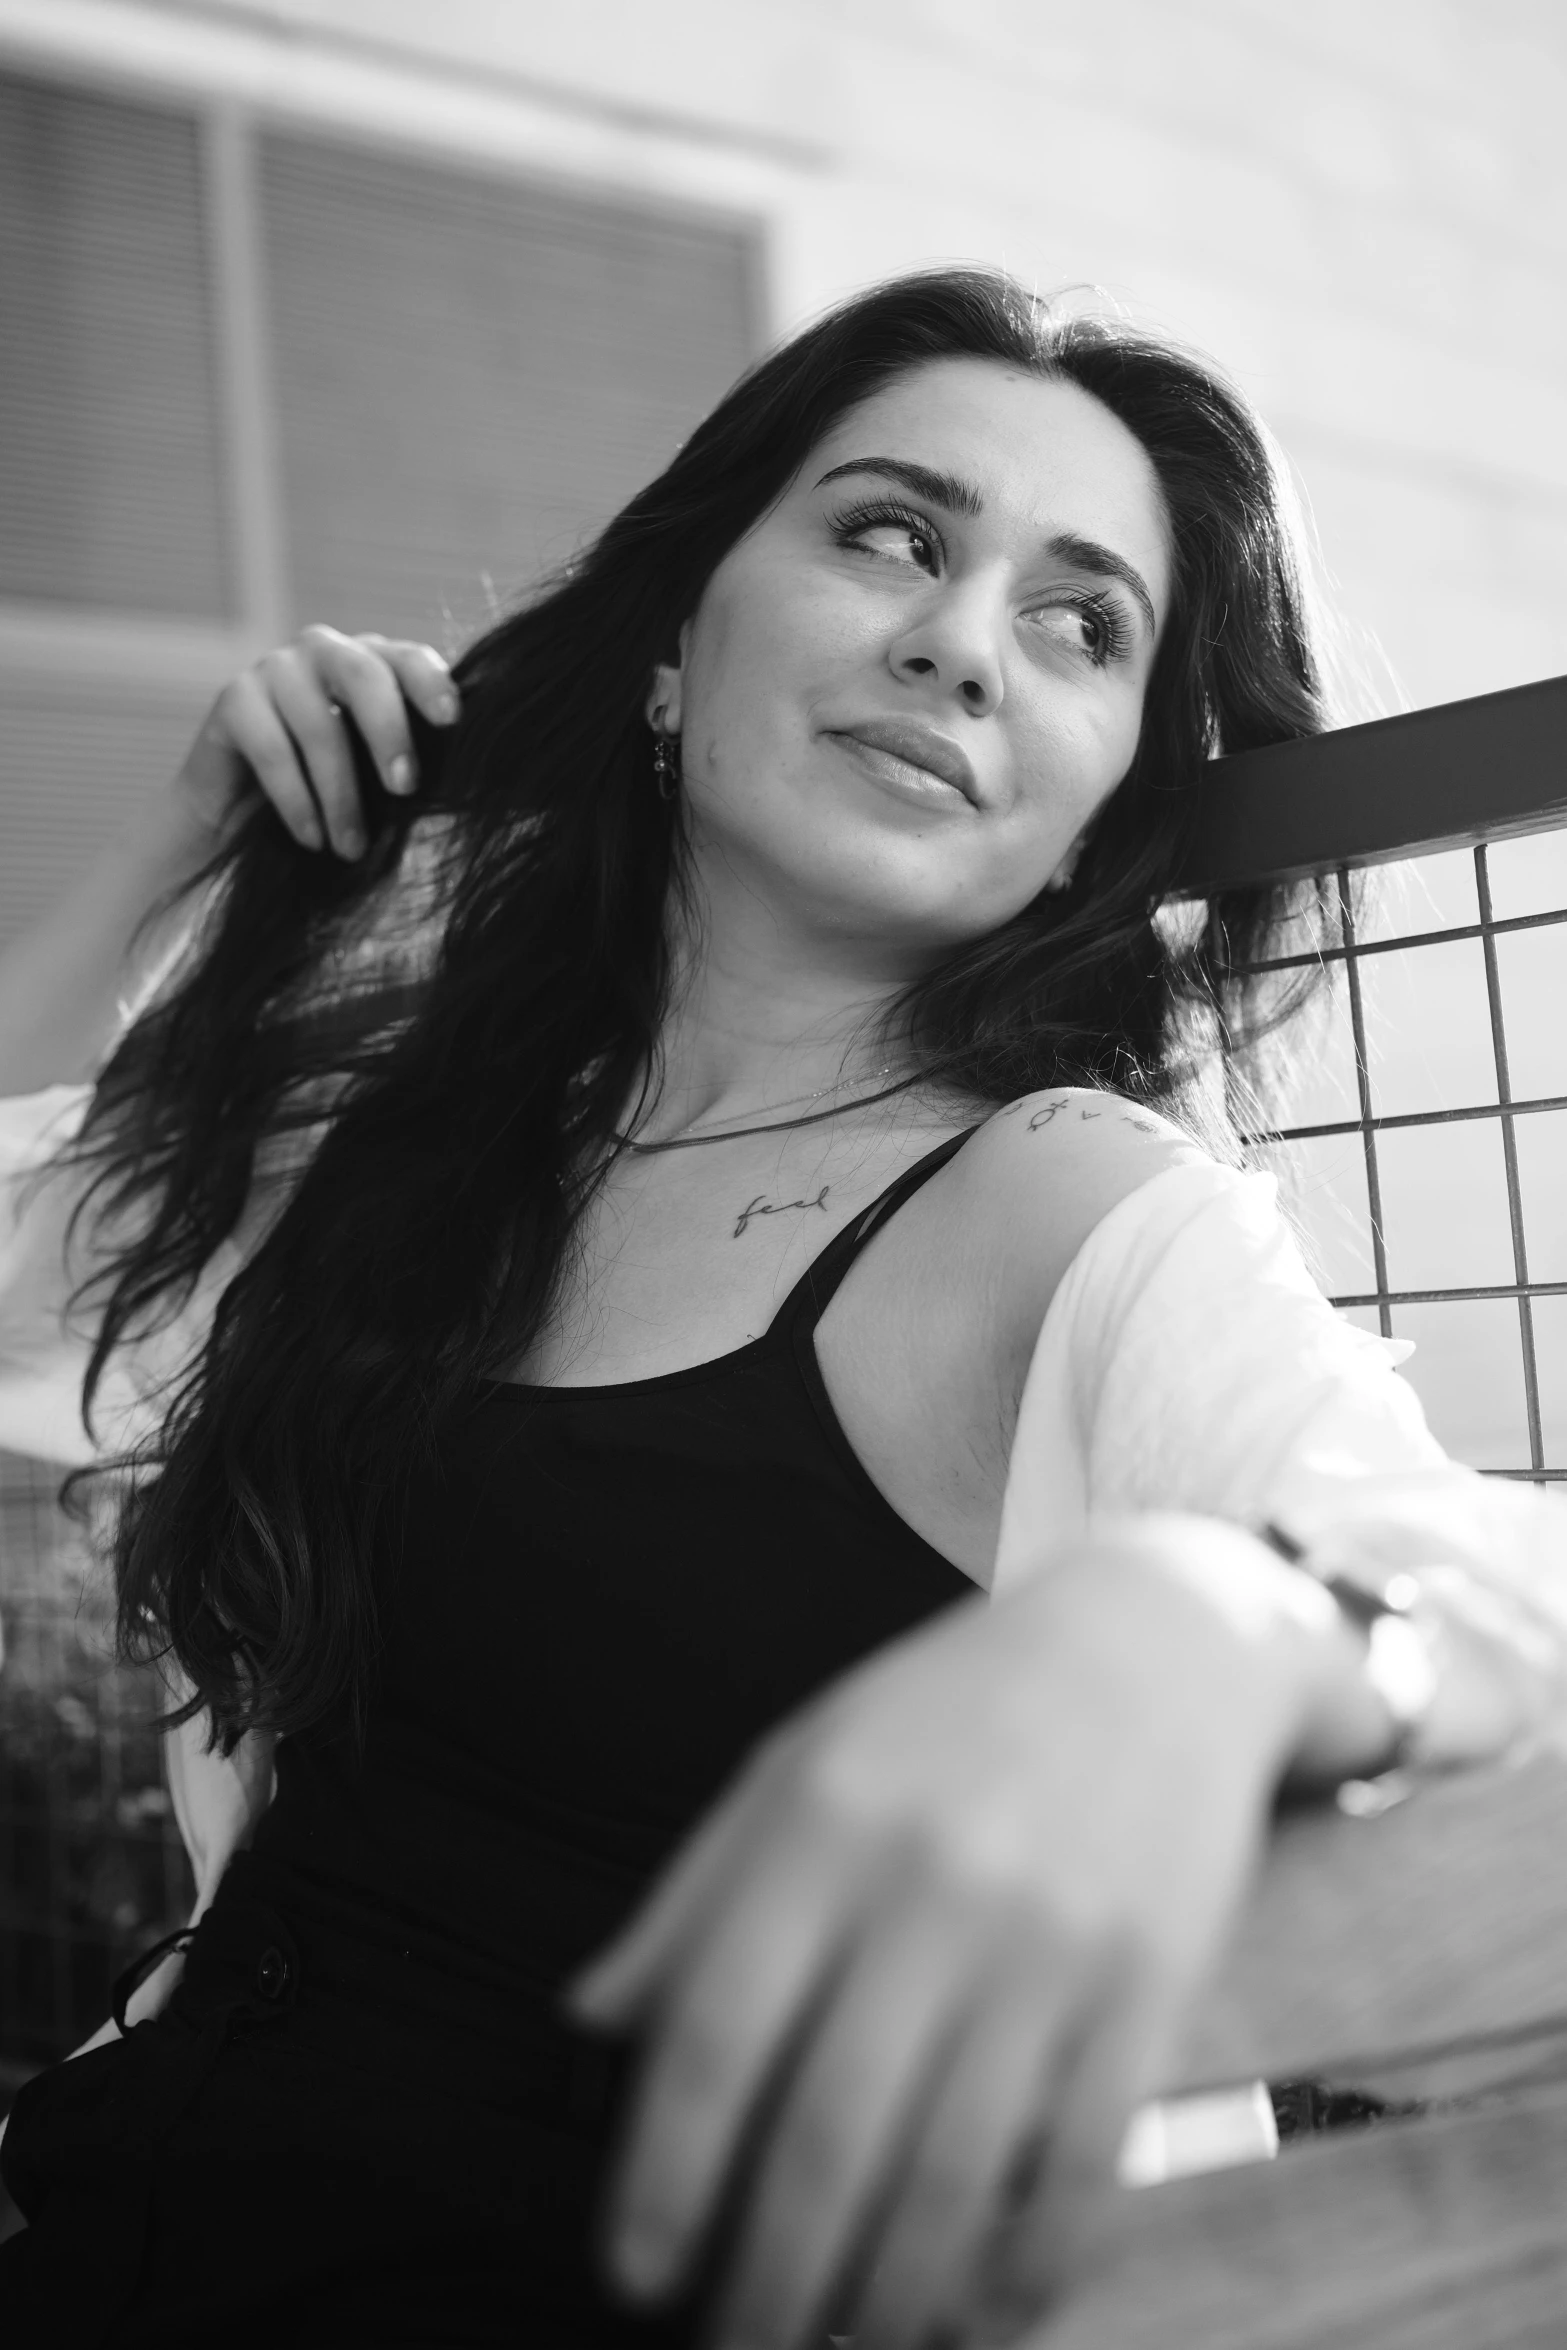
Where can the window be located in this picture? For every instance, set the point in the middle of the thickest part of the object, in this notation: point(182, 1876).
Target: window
point(250, 378)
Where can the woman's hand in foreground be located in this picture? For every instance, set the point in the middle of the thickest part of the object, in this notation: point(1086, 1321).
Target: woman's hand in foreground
point(944, 1928)
point(279, 727)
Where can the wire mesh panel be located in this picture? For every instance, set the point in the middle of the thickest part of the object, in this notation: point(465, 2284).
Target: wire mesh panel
point(1426, 1152)
point(91, 1865)
point(1433, 1195)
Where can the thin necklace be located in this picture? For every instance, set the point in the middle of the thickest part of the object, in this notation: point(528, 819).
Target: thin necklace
point(690, 1141)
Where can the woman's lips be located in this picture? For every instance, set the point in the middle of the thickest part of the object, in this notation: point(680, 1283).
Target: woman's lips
point(912, 753)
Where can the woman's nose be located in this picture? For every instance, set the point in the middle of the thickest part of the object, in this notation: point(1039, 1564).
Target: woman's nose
point(953, 646)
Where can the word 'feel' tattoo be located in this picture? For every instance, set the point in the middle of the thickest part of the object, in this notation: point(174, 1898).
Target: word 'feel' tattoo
point(760, 1207)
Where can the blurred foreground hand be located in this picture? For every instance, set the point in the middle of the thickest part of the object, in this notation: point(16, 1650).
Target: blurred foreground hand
point(901, 1991)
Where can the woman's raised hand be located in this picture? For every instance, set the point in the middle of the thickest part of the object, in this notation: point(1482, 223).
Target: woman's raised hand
point(279, 727)
point(907, 1983)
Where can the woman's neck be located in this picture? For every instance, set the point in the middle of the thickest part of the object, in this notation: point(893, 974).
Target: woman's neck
point(760, 1025)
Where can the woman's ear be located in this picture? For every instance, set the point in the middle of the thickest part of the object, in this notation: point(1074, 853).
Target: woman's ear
point(664, 695)
point(1066, 871)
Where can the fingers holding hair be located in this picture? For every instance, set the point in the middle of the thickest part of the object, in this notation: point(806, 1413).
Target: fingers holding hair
point(303, 688)
point(248, 718)
point(422, 673)
point(324, 682)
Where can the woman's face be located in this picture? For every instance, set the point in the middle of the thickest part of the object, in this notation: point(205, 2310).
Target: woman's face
point(907, 690)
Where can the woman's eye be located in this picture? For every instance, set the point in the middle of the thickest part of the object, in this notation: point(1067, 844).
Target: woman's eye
point(895, 538)
point(1091, 629)
point(898, 538)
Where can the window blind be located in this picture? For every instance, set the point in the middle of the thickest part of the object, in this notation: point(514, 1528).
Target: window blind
point(472, 373)
point(467, 372)
point(110, 471)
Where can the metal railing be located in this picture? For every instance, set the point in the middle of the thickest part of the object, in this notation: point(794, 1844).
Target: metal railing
point(91, 1864)
point(1460, 778)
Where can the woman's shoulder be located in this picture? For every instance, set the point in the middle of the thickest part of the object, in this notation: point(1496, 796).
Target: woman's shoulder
point(1080, 1147)
point(1045, 1170)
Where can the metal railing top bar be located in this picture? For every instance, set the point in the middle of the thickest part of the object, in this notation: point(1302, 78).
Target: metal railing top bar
point(1427, 780)
point(1408, 938)
point(1448, 1297)
point(1379, 1123)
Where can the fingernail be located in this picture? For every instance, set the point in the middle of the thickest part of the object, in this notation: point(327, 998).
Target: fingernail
point(353, 844)
point(400, 774)
point(447, 707)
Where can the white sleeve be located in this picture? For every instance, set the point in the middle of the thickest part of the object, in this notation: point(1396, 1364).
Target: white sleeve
point(42, 1361)
point(43, 1348)
point(386, 946)
point(1188, 1362)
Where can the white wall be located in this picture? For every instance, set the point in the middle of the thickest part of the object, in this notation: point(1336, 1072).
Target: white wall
point(1360, 207)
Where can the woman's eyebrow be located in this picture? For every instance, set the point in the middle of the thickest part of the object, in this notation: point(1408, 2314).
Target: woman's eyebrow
point(939, 489)
point(1088, 555)
point(961, 497)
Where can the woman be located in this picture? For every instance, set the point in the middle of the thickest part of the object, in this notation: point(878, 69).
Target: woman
point(594, 1287)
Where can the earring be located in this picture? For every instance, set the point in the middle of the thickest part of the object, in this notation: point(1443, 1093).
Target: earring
point(666, 758)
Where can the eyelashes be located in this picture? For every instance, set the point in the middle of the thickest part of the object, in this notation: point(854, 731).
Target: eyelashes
point(1113, 634)
point(880, 514)
point(1115, 630)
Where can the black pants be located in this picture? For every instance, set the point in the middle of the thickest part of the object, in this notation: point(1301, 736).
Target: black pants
point(229, 2173)
point(217, 2175)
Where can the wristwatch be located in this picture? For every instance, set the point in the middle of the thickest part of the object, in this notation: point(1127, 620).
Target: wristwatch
point(1400, 1667)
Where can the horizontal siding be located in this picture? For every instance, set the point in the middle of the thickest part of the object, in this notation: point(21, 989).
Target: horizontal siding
point(110, 470)
point(473, 373)
point(468, 373)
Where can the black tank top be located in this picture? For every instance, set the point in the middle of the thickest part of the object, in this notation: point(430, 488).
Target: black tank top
point(604, 1598)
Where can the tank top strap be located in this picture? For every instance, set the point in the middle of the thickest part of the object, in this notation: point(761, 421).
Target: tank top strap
point(813, 1292)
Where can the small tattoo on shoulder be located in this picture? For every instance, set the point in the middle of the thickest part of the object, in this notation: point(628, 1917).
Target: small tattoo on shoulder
point(762, 1207)
point(1046, 1112)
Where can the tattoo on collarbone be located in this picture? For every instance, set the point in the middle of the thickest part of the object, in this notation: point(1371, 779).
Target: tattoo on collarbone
point(761, 1207)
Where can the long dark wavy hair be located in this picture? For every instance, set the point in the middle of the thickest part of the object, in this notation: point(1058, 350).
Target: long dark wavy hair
point(452, 1120)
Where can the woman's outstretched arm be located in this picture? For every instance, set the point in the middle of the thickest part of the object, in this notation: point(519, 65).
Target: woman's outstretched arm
point(274, 730)
point(939, 1942)
point(70, 983)
point(1189, 1363)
